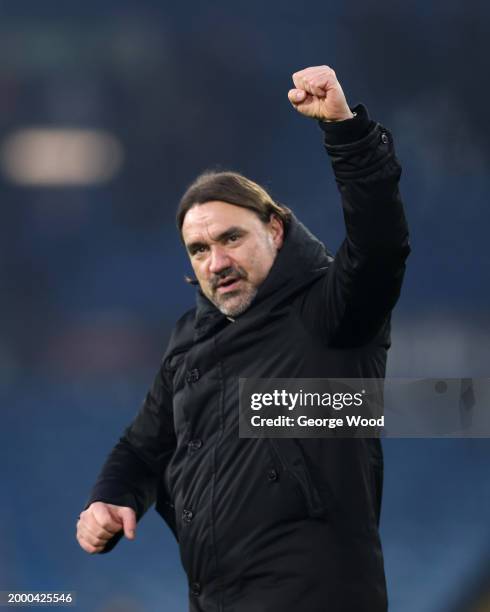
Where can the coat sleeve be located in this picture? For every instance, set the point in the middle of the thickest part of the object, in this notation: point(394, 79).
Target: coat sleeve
point(362, 284)
point(133, 469)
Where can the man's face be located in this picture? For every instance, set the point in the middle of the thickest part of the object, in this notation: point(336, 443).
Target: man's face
point(231, 251)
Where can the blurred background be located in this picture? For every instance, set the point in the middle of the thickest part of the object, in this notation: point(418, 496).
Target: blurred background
point(107, 111)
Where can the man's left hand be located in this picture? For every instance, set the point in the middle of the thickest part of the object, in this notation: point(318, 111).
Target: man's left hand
point(318, 94)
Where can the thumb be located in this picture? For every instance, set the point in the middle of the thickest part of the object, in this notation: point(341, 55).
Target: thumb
point(296, 96)
point(128, 519)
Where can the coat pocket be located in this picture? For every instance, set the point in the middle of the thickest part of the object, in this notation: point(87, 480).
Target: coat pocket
point(290, 455)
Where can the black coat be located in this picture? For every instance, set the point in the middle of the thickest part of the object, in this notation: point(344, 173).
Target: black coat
point(278, 525)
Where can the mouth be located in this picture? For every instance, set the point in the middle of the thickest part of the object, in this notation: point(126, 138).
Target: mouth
point(229, 284)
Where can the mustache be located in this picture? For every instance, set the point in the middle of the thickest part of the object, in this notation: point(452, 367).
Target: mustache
point(232, 271)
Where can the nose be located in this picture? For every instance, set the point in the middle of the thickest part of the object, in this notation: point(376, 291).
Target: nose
point(219, 259)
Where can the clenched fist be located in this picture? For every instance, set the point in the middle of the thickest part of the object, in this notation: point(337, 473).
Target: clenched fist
point(318, 94)
point(100, 521)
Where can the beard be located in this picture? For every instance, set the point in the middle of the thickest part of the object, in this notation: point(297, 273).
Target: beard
point(236, 302)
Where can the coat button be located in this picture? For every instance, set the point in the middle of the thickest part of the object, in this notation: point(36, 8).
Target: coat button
point(384, 138)
point(187, 515)
point(192, 375)
point(195, 588)
point(194, 445)
point(272, 475)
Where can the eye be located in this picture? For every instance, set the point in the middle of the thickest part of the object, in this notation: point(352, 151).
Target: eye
point(198, 250)
point(233, 237)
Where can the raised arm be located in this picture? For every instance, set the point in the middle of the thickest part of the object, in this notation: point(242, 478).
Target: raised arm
point(354, 299)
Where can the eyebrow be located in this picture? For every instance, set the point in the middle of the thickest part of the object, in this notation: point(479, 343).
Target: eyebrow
point(234, 229)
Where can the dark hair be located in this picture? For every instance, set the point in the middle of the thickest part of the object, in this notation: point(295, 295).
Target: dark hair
point(233, 188)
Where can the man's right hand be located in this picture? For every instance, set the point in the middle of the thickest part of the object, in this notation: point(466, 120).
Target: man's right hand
point(100, 522)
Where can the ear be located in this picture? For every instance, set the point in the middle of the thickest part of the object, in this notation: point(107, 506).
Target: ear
point(276, 227)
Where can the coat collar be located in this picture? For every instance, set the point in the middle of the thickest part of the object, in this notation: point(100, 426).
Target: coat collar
point(301, 259)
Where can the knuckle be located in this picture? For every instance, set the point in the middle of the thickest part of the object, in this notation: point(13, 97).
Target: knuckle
point(105, 524)
point(103, 536)
point(98, 508)
point(92, 542)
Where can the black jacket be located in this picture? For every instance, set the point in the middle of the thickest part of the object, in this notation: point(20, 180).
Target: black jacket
point(278, 525)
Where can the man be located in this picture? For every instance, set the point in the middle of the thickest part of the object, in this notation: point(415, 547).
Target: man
point(269, 525)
